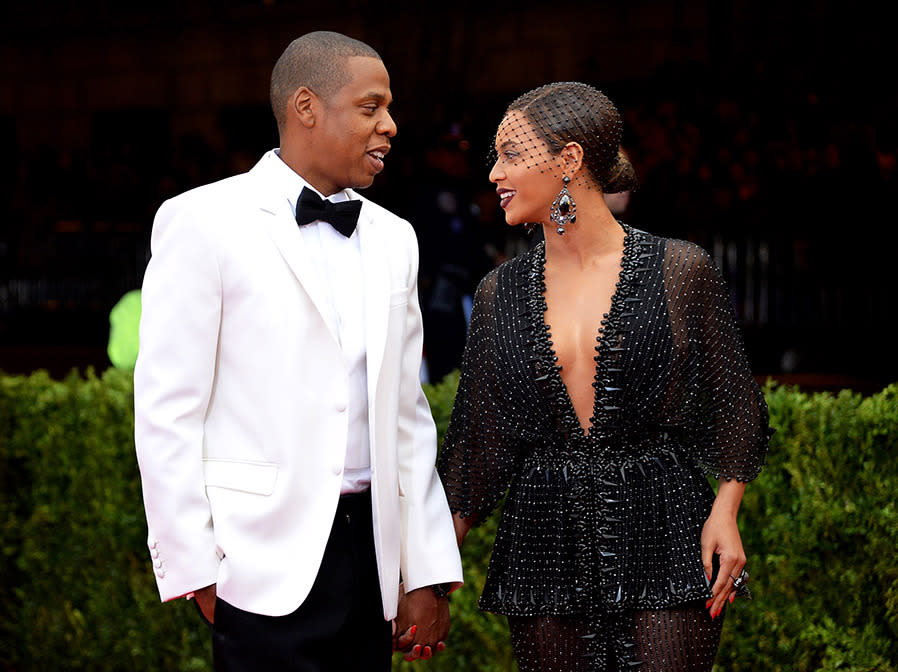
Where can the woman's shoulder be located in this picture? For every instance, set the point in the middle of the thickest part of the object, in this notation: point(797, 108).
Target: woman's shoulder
point(509, 272)
point(676, 251)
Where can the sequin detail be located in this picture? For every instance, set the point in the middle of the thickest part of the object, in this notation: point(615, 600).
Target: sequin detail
point(602, 524)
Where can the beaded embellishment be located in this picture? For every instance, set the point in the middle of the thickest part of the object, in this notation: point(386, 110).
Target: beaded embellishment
point(601, 525)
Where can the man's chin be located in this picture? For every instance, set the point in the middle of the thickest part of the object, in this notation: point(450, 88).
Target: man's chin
point(363, 183)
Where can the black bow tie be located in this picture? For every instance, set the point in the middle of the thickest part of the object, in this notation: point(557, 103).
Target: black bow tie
point(341, 216)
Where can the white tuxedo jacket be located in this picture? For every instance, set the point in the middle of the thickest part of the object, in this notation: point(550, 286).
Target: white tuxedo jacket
point(240, 403)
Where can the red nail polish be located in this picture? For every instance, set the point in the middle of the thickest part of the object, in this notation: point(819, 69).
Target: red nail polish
point(708, 603)
point(732, 597)
point(414, 630)
point(709, 577)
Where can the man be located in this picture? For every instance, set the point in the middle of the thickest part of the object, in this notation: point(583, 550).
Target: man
point(278, 410)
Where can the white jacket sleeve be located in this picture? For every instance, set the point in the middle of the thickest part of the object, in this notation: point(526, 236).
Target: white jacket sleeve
point(429, 552)
point(173, 382)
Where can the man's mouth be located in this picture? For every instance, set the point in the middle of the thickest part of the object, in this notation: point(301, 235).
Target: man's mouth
point(377, 158)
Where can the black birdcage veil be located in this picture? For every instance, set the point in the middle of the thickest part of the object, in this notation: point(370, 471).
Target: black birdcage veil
point(543, 121)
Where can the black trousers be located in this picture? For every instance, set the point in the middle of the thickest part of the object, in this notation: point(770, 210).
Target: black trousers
point(338, 628)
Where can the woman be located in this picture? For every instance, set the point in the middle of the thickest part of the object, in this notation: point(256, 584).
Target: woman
point(603, 378)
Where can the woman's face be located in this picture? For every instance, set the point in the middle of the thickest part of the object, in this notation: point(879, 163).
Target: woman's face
point(527, 176)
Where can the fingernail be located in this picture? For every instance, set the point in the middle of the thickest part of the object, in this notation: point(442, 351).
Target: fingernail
point(414, 630)
point(709, 577)
point(732, 597)
point(708, 603)
point(417, 649)
point(441, 646)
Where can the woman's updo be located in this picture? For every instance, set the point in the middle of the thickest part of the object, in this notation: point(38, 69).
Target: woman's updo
point(564, 112)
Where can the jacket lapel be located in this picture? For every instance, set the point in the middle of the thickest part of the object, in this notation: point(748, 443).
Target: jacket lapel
point(280, 224)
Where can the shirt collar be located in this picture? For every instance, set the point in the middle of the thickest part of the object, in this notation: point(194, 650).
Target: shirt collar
point(290, 183)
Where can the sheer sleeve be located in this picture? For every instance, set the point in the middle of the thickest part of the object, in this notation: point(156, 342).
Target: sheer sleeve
point(479, 451)
point(726, 413)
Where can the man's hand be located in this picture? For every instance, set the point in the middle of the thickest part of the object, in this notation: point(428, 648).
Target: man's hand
point(205, 600)
point(422, 622)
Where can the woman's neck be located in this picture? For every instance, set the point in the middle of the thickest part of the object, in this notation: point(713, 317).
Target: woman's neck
point(594, 235)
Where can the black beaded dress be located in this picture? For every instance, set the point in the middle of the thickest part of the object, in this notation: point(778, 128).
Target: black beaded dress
point(603, 529)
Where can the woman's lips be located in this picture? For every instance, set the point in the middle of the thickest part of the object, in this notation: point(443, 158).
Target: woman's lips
point(505, 197)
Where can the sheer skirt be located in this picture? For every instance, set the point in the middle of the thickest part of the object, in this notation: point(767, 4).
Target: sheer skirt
point(684, 639)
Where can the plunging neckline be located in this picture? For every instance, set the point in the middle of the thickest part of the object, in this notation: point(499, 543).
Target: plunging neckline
point(605, 333)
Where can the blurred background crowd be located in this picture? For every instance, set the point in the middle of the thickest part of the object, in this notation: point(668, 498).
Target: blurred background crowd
point(762, 133)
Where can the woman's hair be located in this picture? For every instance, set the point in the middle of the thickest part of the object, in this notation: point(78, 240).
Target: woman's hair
point(564, 112)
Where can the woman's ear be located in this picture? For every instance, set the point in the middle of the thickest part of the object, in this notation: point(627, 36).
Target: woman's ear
point(572, 158)
point(303, 105)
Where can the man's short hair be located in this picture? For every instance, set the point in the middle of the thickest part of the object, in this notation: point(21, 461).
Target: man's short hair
point(316, 60)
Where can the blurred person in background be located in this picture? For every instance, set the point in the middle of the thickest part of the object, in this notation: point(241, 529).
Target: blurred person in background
point(453, 252)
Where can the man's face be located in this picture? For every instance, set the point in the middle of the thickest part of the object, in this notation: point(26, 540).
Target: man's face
point(353, 129)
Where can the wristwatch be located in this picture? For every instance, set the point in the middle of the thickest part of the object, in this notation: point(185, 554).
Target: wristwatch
point(441, 589)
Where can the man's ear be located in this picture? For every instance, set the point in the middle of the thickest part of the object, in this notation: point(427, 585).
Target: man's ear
point(303, 106)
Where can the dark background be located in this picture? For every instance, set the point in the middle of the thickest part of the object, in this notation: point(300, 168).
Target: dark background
point(763, 131)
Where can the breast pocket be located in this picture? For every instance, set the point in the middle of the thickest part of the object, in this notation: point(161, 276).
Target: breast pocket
point(256, 478)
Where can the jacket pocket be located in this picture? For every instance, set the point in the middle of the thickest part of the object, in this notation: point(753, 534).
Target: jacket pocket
point(257, 478)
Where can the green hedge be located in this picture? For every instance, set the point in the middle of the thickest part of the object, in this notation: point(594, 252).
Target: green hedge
point(76, 589)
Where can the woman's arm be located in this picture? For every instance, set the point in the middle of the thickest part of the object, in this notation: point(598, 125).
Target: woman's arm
point(720, 535)
point(462, 527)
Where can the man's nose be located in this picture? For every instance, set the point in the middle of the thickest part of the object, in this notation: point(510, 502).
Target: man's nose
point(387, 126)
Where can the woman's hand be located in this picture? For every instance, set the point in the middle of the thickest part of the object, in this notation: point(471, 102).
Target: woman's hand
point(720, 536)
point(421, 624)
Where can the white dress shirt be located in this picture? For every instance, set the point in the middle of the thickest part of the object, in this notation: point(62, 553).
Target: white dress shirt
point(338, 262)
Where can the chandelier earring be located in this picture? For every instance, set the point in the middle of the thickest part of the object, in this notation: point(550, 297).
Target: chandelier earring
point(564, 209)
